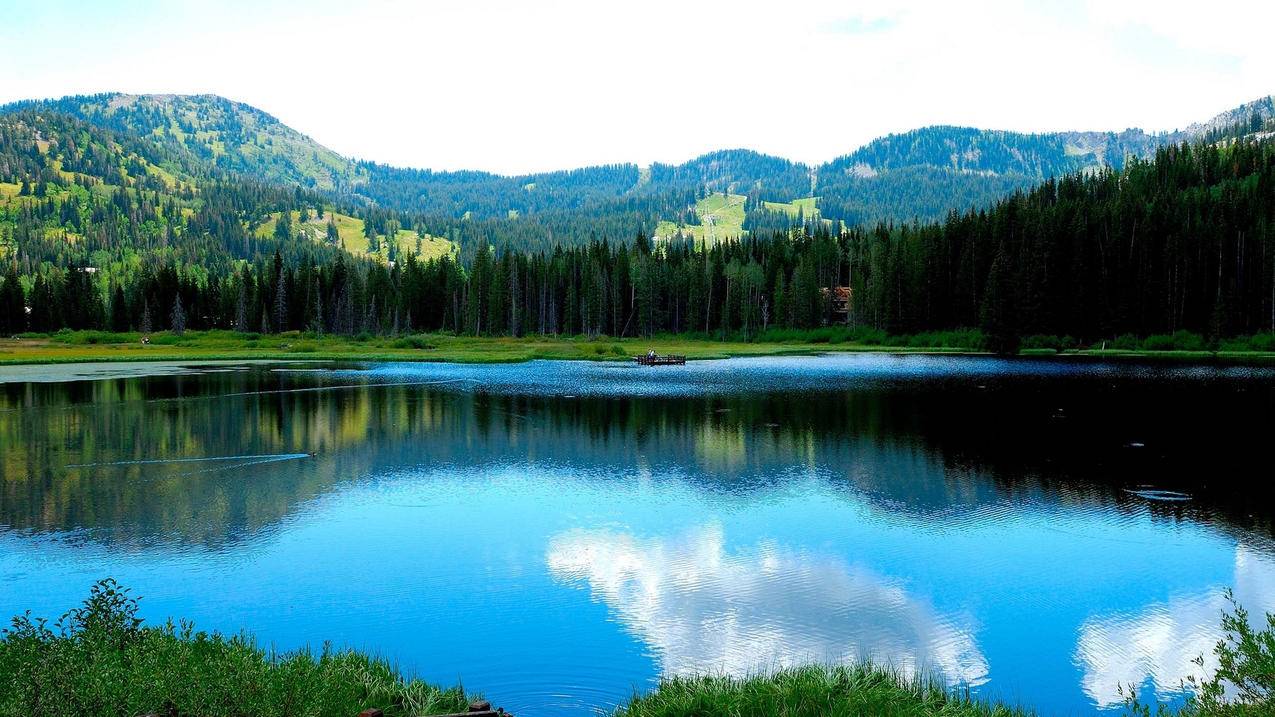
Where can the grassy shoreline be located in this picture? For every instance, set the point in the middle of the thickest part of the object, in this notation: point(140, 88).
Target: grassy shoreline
point(103, 659)
point(100, 658)
point(93, 346)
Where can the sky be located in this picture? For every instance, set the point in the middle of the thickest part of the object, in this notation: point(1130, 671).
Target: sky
point(516, 86)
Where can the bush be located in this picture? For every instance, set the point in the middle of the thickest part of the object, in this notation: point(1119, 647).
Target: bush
point(1256, 342)
point(412, 342)
point(1177, 341)
point(99, 659)
point(93, 338)
point(1125, 342)
point(1244, 684)
point(1262, 342)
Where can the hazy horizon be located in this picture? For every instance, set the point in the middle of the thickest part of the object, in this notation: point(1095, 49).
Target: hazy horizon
point(506, 88)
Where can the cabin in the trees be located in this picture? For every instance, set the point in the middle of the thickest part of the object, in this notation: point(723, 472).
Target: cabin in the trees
point(839, 297)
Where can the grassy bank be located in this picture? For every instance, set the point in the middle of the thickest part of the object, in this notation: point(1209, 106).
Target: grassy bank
point(78, 346)
point(102, 346)
point(100, 659)
point(814, 691)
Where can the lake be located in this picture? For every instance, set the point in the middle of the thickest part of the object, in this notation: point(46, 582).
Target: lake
point(560, 534)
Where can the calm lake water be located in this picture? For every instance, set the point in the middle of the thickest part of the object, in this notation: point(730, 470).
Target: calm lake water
point(560, 534)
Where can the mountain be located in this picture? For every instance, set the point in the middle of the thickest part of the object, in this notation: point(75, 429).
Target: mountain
point(132, 213)
point(921, 175)
point(228, 135)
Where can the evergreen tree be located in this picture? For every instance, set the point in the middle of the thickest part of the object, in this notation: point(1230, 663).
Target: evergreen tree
point(119, 310)
point(13, 313)
point(177, 318)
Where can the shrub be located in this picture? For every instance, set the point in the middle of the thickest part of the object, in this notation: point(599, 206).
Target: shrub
point(1244, 684)
point(1125, 342)
point(100, 659)
point(1177, 341)
point(412, 342)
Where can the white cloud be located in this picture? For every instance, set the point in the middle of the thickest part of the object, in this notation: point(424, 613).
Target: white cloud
point(515, 86)
point(703, 609)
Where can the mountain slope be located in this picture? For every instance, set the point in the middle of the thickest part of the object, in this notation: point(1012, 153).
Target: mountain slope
point(923, 174)
point(230, 135)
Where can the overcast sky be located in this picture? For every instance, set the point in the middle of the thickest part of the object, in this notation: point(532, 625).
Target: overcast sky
point(522, 85)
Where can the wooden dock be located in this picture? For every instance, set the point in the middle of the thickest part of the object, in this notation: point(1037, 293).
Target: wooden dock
point(657, 360)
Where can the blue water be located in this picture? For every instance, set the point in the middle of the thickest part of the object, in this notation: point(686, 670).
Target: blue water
point(557, 535)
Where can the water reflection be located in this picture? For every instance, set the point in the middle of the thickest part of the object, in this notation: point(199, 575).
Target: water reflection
point(706, 610)
point(986, 518)
point(1156, 646)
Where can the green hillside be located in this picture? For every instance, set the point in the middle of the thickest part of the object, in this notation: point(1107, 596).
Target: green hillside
point(720, 216)
point(228, 135)
point(351, 236)
point(922, 174)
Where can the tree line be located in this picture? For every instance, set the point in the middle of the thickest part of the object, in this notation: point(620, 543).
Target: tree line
point(1183, 241)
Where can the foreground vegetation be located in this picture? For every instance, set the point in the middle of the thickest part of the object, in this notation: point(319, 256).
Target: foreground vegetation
point(101, 659)
point(74, 346)
point(850, 691)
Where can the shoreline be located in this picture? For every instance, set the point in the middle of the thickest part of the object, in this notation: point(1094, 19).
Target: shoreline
point(212, 348)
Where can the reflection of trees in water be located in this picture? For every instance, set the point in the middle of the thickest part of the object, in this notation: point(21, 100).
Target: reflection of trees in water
point(925, 450)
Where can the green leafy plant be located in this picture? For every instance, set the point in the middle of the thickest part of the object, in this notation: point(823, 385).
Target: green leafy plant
point(99, 659)
point(1243, 684)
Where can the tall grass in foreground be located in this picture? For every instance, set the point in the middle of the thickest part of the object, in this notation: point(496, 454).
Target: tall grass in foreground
point(861, 690)
point(99, 659)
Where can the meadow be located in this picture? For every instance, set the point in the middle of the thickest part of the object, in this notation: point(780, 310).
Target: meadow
point(73, 346)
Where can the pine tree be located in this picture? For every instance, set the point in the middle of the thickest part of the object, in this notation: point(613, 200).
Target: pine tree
point(177, 319)
point(281, 302)
point(119, 310)
point(283, 226)
point(241, 306)
point(13, 313)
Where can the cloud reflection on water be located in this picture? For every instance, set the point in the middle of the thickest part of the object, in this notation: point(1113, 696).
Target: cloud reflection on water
point(705, 609)
point(1156, 645)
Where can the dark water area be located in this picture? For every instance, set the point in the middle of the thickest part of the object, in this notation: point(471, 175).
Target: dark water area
point(560, 534)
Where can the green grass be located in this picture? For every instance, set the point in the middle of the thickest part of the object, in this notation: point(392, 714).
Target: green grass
point(807, 206)
point(100, 659)
point(350, 231)
point(80, 346)
point(862, 690)
point(721, 217)
point(73, 346)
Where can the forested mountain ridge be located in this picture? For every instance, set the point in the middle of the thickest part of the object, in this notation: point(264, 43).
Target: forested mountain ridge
point(1178, 249)
point(86, 211)
point(103, 223)
point(228, 135)
point(919, 175)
